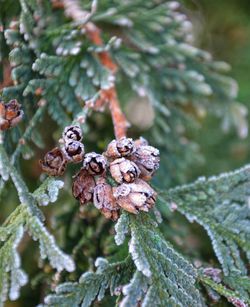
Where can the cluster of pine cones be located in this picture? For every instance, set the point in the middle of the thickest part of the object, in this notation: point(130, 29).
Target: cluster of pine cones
point(113, 180)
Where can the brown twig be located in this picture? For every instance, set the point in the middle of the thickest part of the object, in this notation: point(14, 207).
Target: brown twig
point(74, 11)
point(119, 120)
point(7, 81)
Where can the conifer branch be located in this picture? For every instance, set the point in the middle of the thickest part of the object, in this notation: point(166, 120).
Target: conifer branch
point(73, 10)
point(232, 296)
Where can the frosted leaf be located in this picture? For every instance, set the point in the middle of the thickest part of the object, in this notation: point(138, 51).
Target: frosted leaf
point(173, 5)
point(18, 279)
point(158, 216)
point(12, 277)
point(75, 50)
point(135, 290)
point(48, 191)
point(138, 255)
point(124, 22)
point(220, 205)
point(48, 247)
point(155, 258)
point(4, 171)
point(196, 76)
point(101, 263)
point(53, 189)
point(121, 228)
point(91, 286)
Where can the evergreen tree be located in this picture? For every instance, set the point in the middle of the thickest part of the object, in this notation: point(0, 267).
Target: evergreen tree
point(62, 62)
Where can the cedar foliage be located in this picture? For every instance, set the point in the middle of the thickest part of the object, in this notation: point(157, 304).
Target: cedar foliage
point(55, 70)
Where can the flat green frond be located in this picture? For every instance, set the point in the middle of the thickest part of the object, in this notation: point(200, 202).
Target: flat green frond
point(171, 278)
point(48, 191)
point(92, 286)
point(12, 277)
point(221, 205)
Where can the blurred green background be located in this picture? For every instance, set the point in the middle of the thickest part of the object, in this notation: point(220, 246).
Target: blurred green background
point(223, 28)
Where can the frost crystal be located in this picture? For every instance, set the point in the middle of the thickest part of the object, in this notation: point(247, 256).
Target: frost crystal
point(48, 191)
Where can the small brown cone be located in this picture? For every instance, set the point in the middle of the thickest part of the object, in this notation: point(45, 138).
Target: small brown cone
point(83, 187)
point(54, 162)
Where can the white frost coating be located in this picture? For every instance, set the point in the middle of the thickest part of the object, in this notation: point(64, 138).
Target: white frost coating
point(202, 179)
point(135, 290)
point(195, 75)
point(16, 262)
point(48, 247)
point(139, 256)
point(4, 173)
point(205, 89)
point(158, 215)
point(59, 50)
point(84, 277)
point(18, 279)
point(75, 50)
point(216, 247)
point(179, 17)
point(234, 88)
point(101, 262)
point(53, 189)
point(173, 5)
point(43, 199)
point(124, 22)
point(48, 192)
point(121, 229)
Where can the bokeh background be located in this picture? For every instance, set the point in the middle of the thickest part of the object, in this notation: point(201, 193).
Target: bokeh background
point(223, 28)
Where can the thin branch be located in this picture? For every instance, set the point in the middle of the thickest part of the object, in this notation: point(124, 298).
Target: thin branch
point(74, 11)
point(7, 81)
point(119, 120)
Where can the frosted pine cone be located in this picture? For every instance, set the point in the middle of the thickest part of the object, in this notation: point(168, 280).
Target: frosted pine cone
point(123, 170)
point(73, 133)
point(94, 163)
point(10, 114)
point(54, 162)
point(120, 148)
point(147, 158)
point(104, 200)
point(74, 151)
point(135, 197)
point(83, 187)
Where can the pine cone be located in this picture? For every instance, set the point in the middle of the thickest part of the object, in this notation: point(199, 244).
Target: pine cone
point(123, 170)
point(104, 200)
point(83, 187)
point(73, 151)
point(147, 158)
point(120, 148)
point(72, 133)
point(10, 114)
point(94, 163)
point(135, 197)
point(54, 162)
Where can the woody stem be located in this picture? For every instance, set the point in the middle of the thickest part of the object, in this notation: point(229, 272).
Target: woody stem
point(74, 11)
